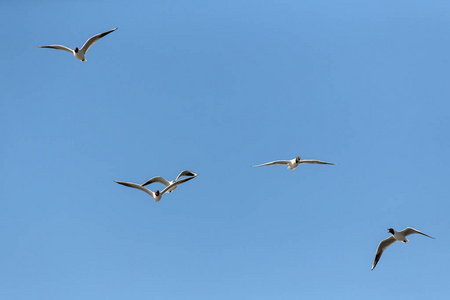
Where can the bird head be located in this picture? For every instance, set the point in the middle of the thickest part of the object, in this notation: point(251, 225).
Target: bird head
point(157, 193)
point(297, 159)
point(76, 49)
point(391, 231)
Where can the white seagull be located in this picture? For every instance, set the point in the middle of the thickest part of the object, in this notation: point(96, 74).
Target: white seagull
point(157, 194)
point(293, 163)
point(166, 182)
point(396, 236)
point(80, 53)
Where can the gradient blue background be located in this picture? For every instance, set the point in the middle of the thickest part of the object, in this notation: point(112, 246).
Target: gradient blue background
point(215, 87)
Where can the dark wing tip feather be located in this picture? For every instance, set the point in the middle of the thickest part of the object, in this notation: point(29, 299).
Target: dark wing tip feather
point(377, 258)
point(107, 32)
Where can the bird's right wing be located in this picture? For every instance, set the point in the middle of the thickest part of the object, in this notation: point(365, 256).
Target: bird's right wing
point(175, 183)
point(58, 47)
point(316, 162)
point(277, 162)
point(186, 173)
point(92, 40)
point(381, 247)
point(156, 179)
point(136, 186)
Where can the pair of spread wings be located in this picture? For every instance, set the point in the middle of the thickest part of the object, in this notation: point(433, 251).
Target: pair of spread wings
point(286, 162)
point(390, 240)
point(144, 189)
point(91, 41)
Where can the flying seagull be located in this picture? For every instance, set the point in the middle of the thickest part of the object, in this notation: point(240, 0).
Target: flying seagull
point(80, 53)
point(293, 163)
point(166, 182)
point(396, 236)
point(157, 194)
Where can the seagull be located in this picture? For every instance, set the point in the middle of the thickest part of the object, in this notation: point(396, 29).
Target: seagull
point(167, 183)
point(157, 194)
point(293, 163)
point(396, 236)
point(80, 53)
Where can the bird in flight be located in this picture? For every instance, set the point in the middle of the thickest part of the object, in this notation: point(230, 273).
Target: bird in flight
point(293, 163)
point(80, 53)
point(157, 194)
point(395, 236)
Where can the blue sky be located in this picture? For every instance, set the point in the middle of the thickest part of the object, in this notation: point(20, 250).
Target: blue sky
point(215, 88)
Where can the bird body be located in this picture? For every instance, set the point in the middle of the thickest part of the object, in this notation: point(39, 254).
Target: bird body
point(80, 53)
point(293, 163)
point(399, 236)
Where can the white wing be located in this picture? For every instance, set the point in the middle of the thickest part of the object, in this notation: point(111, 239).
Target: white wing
point(175, 183)
point(409, 230)
point(277, 162)
point(91, 41)
point(136, 186)
point(317, 162)
point(381, 247)
point(58, 47)
point(156, 179)
point(186, 173)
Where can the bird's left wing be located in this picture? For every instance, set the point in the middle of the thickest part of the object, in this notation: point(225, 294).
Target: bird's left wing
point(136, 186)
point(409, 230)
point(277, 162)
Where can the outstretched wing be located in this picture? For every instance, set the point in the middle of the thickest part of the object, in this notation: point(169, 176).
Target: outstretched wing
point(316, 162)
point(58, 47)
point(91, 41)
point(277, 162)
point(136, 186)
point(409, 230)
point(156, 179)
point(175, 183)
point(186, 173)
point(381, 247)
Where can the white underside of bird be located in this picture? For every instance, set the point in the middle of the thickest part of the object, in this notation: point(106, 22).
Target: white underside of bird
point(395, 236)
point(80, 53)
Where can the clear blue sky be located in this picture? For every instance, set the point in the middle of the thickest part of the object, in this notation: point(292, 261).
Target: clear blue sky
point(215, 88)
